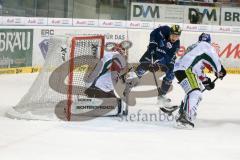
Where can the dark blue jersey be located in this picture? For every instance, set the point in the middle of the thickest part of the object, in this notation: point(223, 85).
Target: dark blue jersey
point(161, 52)
point(166, 51)
point(160, 34)
point(169, 50)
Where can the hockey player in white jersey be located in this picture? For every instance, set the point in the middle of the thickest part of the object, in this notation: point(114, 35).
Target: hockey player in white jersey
point(108, 71)
point(189, 73)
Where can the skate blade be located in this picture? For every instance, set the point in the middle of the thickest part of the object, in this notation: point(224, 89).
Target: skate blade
point(185, 126)
point(164, 110)
point(169, 109)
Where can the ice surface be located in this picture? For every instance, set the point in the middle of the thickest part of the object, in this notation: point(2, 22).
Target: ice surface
point(215, 137)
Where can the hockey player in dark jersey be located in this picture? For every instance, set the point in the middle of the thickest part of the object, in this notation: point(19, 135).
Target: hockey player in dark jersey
point(161, 54)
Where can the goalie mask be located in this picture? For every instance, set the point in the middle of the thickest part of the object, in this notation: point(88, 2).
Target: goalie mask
point(118, 47)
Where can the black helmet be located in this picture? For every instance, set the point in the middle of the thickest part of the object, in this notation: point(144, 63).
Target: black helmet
point(175, 29)
point(205, 37)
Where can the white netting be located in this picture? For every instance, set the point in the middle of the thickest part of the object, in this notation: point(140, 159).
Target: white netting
point(51, 85)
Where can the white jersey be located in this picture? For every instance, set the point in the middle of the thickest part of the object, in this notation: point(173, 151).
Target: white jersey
point(108, 76)
point(198, 56)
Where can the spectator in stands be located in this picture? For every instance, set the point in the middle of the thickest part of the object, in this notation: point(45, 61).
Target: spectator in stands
point(208, 1)
point(1, 4)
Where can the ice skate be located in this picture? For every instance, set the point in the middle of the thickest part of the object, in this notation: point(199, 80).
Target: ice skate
point(170, 109)
point(163, 101)
point(184, 122)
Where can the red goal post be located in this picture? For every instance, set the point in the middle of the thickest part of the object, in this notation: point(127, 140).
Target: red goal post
point(71, 67)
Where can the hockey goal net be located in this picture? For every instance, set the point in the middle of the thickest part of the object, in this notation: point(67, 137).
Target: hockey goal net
point(61, 79)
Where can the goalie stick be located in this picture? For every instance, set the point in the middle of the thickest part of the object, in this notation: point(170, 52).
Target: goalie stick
point(126, 95)
point(127, 90)
point(171, 109)
point(127, 87)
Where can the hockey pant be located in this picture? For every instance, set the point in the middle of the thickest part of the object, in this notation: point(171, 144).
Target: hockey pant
point(95, 92)
point(192, 87)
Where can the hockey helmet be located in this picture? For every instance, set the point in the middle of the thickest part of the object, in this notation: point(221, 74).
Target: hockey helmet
point(205, 37)
point(118, 47)
point(175, 29)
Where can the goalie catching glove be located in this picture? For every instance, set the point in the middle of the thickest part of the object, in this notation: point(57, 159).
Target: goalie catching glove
point(208, 84)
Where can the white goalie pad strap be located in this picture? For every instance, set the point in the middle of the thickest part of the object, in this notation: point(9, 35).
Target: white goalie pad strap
point(186, 85)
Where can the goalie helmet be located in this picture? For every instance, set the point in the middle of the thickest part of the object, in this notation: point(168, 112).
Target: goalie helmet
point(118, 47)
point(175, 29)
point(205, 37)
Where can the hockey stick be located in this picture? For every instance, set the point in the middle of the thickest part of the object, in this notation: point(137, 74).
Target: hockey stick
point(171, 109)
point(154, 75)
point(127, 89)
point(126, 95)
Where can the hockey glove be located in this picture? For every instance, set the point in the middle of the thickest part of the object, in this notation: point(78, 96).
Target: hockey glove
point(222, 73)
point(171, 63)
point(153, 67)
point(208, 84)
point(152, 47)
